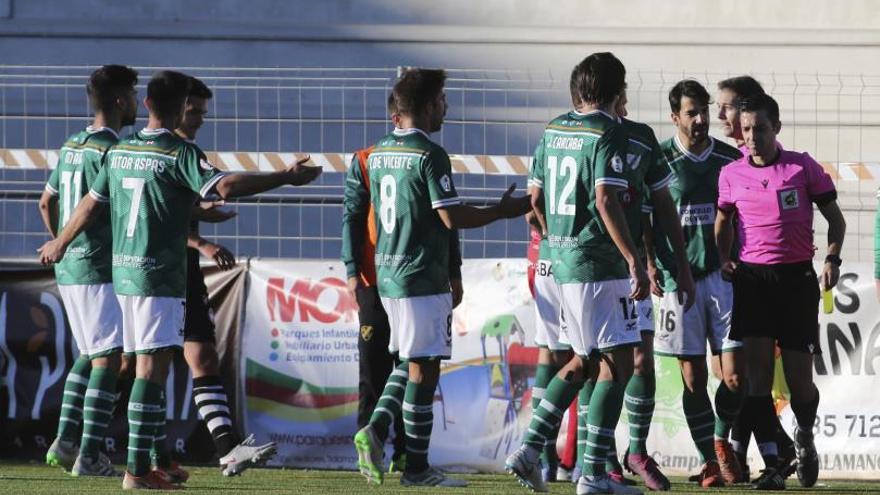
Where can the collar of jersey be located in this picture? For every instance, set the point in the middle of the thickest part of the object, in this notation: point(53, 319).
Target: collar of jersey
point(408, 131)
point(591, 112)
point(695, 158)
point(95, 130)
point(154, 132)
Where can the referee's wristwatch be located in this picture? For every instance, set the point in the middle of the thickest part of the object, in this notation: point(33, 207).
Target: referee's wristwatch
point(833, 259)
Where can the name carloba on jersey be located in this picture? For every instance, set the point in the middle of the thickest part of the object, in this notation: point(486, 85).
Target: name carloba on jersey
point(137, 163)
point(565, 143)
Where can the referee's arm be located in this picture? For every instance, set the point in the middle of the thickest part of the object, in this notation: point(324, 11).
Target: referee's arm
point(836, 231)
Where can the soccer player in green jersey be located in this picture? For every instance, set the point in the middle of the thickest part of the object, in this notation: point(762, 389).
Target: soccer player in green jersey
point(84, 278)
point(696, 160)
point(415, 205)
point(199, 347)
point(150, 180)
point(589, 191)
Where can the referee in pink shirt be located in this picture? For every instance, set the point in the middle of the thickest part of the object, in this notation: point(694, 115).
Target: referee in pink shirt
point(775, 289)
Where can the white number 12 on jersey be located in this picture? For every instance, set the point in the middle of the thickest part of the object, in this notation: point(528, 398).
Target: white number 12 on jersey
point(136, 184)
point(569, 171)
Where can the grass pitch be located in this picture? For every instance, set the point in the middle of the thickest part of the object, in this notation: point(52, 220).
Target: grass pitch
point(19, 478)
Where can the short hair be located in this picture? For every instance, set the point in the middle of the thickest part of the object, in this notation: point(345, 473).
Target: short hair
point(168, 91)
point(198, 89)
point(597, 79)
point(689, 88)
point(741, 86)
point(107, 83)
point(392, 104)
point(416, 88)
point(761, 102)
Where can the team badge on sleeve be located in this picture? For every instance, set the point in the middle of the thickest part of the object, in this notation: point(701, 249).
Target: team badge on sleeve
point(617, 164)
point(446, 183)
point(206, 165)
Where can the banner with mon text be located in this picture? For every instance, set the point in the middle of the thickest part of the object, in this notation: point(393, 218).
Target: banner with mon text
point(299, 368)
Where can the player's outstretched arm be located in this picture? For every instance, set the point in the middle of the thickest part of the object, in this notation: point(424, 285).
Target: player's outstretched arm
point(615, 222)
point(724, 241)
point(836, 231)
point(85, 213)
point(49, 212)
point(666, 214)
point(248, 184)
point(470, 217)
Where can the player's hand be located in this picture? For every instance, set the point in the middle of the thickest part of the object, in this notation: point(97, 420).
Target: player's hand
point(51, 252)
point(301, 174)
point(511, 207)
point(656, 277)
point(457, 291)
point(209, 211)
point(224, 259)
point(727, 269)
point(830, 274)
point(353, 284)
point(686, 290)
point(641, 285)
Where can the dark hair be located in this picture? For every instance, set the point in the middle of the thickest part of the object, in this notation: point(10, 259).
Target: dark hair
point(742, 87)
point(167, 92)
point(689, 88)
point(415, 89)
point(198, 89)
point(392, 104)
point(597, 79)
point(761, 102)
point(107, 83)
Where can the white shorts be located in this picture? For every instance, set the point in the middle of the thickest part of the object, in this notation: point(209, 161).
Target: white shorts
point(549, 328)
point(684, 334)
point(152, 323)
point(94, 316)
point(599, 316)
point(421, 327)
point(645, 315)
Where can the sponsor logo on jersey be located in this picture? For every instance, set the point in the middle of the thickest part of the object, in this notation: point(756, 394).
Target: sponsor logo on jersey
point(697, 214)
point(367, 332)
point(446, 183)
point(206, 165)
point(617, 164)
point(789, 199)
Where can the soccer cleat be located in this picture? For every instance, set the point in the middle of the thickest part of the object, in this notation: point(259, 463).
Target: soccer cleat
point(730, 470)
point(617, 476)
point(431, 477)
point(149, 481)
point(98, 467)
point(370, 455)
point(525, 464)
point(62, 453)
point(173, 474)
point(563, 474)
point(604, 484)
point(710, 475)
point(770, 479)
point(398, 464)
point(807, 458)
point(245, 455)
point(646, 467)
point(787, 457)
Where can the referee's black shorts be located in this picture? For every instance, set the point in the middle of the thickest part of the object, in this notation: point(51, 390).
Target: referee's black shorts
point(199, 325)
point(778, 301)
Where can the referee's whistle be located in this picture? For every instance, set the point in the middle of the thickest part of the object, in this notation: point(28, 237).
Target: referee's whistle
point(827, 302)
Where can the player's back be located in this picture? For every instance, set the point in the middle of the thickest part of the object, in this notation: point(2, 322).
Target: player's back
point(152, 177)
point(79, 161)
point(409, 177)
point(642, 157)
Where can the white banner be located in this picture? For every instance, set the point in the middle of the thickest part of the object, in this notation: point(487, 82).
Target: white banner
point(299, 373)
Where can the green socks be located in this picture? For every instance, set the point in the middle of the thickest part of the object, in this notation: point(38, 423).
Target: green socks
point(639, 402)
point(583, 411)
point(701, 421)
point(602, 417)
point(98, 410)
point(543, 375)
point(72, 401)
point(547, 416)
point(389, 404)
point(145, 415)
point(418, 421)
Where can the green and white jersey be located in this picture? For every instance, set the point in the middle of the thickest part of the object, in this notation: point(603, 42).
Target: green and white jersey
point(151, 180)
point(643, 157)
point(410, 176)
point(536, 180)
point(580, 152)
point(87, 260)
point(695, 193)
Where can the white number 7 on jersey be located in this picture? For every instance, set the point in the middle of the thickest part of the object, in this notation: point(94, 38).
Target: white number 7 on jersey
point(136, 185)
